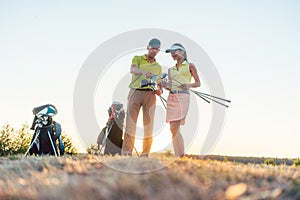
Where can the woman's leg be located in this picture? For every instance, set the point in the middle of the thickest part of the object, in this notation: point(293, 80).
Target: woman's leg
point(178, 143)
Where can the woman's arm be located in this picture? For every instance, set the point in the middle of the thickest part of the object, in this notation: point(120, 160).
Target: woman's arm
point(195, 75)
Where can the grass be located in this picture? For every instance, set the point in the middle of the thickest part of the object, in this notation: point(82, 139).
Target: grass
point(104, 177)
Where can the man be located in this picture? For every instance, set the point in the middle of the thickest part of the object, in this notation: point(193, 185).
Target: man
point(142, 67)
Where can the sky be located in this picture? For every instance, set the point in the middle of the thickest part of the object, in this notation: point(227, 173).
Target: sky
point(253, 44)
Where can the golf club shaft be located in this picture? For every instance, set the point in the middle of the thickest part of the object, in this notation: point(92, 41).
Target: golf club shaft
point(214, 100)
point(163, 101)
point(195, 92)
point(213, 96)
point(204, 94)
point(202, 97)
point(137, 153)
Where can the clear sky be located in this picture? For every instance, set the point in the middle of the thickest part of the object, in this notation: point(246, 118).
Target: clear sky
point(253, 44)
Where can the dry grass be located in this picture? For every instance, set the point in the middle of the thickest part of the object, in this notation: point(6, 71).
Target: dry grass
point(89, 177)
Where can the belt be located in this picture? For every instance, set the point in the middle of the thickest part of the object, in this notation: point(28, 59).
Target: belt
point(144, 89)
point(179, 92)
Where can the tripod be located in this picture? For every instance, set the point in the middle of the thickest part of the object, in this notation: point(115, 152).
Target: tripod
point(104, 139)
point(34, 141)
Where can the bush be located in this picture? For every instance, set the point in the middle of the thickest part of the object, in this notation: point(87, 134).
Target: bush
point(22, 139)
point(167, 153)
point(14, 142)
point(6, 135)
point(69, 146)
point(93, 149)
point(225, 159)
point(269, 161)
point(297, 162)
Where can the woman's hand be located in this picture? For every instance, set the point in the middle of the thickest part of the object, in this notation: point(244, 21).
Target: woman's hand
point(185, 86)
point(165, 84)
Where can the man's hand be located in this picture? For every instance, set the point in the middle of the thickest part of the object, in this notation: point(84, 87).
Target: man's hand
point(148, 74)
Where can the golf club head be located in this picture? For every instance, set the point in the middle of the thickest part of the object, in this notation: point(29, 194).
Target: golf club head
point(154, 77)
point(163, 75)
point(144, 83)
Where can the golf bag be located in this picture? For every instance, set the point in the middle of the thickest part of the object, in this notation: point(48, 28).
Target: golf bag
point(110, 137)
point(47, 132)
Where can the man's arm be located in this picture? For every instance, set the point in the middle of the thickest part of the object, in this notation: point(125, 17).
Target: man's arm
point(137, 71)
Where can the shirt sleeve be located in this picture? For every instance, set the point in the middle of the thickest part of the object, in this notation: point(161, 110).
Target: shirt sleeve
point(136, 61)
point(160, 72)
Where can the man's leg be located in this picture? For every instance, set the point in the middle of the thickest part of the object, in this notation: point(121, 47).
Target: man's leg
point(148, 120)
point(133, 108)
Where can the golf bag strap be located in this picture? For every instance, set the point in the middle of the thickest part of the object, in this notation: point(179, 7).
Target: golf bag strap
point(56, 129)
point(61, 147)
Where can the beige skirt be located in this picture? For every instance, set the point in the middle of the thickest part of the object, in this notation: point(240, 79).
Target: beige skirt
point(177, 107)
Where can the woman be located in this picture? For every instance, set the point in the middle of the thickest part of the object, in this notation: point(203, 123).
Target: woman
point(179, 82)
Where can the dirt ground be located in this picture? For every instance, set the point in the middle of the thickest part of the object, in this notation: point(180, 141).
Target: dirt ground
point(99, 177)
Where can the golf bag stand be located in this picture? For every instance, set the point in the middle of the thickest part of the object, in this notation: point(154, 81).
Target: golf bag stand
point(110, 137)
point(46, 132)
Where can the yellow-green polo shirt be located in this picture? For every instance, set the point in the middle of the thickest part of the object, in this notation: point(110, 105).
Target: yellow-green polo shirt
point(142, 63)
point(182, 75)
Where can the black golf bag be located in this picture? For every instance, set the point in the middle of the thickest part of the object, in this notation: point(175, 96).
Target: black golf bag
point(46, 137)
point(110, 137)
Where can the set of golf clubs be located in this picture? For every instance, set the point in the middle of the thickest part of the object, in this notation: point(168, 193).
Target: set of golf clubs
point(206, 97)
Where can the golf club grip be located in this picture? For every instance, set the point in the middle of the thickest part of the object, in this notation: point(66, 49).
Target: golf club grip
point(218, 102)
point(215, 97)
point(203, 97)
